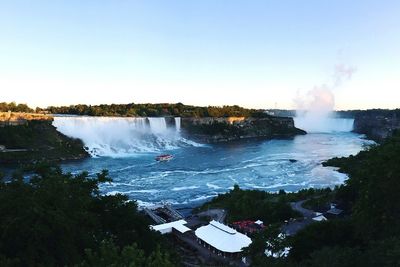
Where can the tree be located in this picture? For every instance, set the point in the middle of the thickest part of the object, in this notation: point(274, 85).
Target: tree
point(54, 217)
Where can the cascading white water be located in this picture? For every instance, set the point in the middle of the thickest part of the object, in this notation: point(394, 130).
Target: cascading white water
point(178, 124)
point(323, 125)
point(158, 125)
point(114, 136)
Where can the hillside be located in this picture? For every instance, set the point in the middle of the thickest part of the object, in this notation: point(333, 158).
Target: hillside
point(31, 137)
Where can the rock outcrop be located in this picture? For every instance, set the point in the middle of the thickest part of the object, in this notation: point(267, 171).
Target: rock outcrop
point(21, 118)
point(376, 125)
point(211, 130)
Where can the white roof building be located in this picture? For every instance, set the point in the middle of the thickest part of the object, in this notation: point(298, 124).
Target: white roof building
point(222, 237)
point(166, 228)
point(320, 218)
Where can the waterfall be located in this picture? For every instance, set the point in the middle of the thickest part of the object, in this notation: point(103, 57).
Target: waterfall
point(178, 124)
point(158, 125)
point(117, 136)
point(324, 125)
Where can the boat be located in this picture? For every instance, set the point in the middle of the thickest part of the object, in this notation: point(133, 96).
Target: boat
point(165, 157)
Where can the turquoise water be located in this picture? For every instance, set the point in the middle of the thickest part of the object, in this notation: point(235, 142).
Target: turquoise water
point(198, 173)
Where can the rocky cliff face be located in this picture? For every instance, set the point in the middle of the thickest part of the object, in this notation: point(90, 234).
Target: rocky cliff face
point(211, 130)
point(376, 126)
point(21, 118)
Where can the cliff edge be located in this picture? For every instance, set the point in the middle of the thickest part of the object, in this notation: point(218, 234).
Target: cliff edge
point(377, 124)
point(26, 138)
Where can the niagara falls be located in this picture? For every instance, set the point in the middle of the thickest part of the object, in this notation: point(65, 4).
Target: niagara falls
point(200, 133)
point(127, 147)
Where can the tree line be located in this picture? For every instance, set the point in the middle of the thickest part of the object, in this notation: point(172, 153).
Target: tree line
point(13, 107)
point(154, 110)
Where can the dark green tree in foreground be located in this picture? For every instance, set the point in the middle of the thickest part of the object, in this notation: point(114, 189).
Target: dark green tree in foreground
point(59, 219)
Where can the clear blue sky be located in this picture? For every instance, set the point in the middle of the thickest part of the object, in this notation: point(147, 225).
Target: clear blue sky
point(204, 52)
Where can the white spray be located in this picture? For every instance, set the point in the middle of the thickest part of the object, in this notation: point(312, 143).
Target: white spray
point(314, 109)
point(115, 137)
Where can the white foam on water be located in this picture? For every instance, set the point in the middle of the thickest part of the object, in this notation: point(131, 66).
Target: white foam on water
point(184, 188)
point(200, 198)
point(213, 186)
point(145, 191)
point(122, 137)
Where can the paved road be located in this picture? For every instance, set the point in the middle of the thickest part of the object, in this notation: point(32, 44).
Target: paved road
point(293, 227)
point(308, 214)
point(216, 214)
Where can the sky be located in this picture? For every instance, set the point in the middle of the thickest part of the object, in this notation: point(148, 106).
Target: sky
point(259, 54)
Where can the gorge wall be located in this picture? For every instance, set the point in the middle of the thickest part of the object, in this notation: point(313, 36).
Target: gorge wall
point(211, 130)
point(377, 124)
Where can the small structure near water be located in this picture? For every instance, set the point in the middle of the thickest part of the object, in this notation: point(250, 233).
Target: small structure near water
point(334, 211)
point(161, 214)
point(248, 227)
point(320, 218)
point(222, 239)
point(167, 228)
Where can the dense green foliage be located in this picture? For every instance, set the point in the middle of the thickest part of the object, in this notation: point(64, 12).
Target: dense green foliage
point(373, 188)
point(4, 107)
point(327, 234)
point(320, 202)
point(59, 219)
point(155, 110)
point(368, 112)
point(370, 236)
point(38, 140)
point(253, 205)
point(110, 255)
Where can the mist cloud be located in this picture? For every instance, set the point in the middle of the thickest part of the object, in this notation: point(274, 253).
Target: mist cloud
point(315, 107)
point(342, 73)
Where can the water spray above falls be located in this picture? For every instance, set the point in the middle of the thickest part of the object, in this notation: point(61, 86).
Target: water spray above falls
point(314, 110)
point(109, 136)
point(322, 124)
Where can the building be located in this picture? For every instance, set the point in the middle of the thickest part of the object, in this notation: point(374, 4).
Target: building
point(320, 218)
point(222, 239)
point(167, 228)
point(334, 212)
point(248, 227)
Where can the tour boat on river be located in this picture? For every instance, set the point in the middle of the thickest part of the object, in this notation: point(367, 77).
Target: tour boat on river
point(165, 157)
